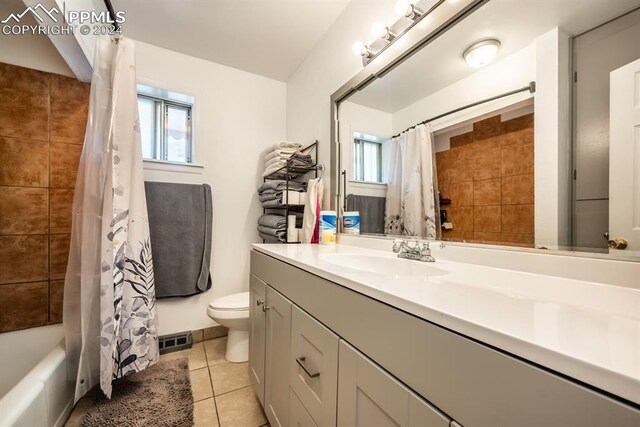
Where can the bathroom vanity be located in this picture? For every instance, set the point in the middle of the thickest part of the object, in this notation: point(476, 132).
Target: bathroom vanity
point(351, 336)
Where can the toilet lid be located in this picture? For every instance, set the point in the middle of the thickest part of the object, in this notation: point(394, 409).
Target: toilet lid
point(231, 302)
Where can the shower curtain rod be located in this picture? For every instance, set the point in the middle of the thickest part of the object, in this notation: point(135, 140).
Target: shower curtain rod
point(531, 88)
point(112, 14)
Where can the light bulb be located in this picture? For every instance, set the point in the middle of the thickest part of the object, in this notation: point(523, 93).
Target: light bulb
point(360, 48)
point(404, 8)
point(381, 31)
point(378, 30)
point(481, 53)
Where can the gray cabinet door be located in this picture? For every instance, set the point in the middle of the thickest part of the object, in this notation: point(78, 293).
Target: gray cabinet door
point(278, 346)
point(368, 396)
point(314, 367)
point(298, 415)
point(257, 332)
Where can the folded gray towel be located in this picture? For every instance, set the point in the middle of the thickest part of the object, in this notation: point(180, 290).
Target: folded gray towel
point(280, 185)
point(180, 220)
point(300, 160)
point(265, 197)
point(273, 221)
point(280, 234)
point(275, 203)
point(269, 239)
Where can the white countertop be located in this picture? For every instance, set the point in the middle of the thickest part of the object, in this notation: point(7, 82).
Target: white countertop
point(585, 330)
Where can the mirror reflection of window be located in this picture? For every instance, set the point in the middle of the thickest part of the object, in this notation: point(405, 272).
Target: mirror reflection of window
point(368, 158)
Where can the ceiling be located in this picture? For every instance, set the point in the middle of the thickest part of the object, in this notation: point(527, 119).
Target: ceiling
point(266, 37)
point(516, 23)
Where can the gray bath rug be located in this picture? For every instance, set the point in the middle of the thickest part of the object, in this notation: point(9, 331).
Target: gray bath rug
point(158, 396)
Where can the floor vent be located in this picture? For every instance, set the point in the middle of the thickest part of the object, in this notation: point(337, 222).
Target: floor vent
point(175, 342)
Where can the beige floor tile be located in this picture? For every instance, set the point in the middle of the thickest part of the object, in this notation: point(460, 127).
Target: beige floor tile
point(204, 413)
point(195, 354)
point(200, 384)
point(229, 376)
point(215, 350)
point(240, 408)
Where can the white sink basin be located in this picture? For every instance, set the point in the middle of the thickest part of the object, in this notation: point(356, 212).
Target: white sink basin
point(383, 265)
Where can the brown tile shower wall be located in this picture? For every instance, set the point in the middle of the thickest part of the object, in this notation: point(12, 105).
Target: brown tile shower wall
point(488, 175)
point(42, 124)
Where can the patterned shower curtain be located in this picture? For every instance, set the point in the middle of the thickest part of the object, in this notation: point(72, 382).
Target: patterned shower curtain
point(109, 298)
point(410, 206)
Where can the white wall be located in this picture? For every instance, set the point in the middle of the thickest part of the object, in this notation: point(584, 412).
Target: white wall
point(237, 116)
point(28, 50)
point(552, 129)
point(329, 66)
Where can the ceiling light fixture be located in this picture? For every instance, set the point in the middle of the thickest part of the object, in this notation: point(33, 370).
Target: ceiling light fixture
point(407, 9)
point(361, 49)
point(481, 53)
point(381, 31)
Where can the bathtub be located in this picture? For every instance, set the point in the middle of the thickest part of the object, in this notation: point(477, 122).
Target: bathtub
point(34, 390)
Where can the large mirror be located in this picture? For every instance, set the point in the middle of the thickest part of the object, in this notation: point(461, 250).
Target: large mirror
point(535, 147)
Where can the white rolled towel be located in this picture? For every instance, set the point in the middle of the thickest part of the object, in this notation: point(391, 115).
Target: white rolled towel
point(280, 154)
point(275, 161)
point(288, 145)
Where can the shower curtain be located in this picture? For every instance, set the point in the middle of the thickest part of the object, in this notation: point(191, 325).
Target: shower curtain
point(410, 207)
point(109, 311)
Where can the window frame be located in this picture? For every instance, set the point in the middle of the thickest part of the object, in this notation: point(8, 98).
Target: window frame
point(161, 138)
point(358, 143)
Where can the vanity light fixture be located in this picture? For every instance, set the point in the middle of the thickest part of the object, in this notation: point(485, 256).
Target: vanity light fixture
point(381, 31)
point(386, 35)
point(407, 9)
point(361, 49)
point(482, 53)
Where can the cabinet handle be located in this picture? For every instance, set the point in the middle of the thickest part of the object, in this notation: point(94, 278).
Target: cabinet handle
point(259, 302)
point(265, 308)
point(300, 361)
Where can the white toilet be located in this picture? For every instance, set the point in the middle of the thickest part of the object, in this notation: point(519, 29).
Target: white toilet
point(232, 311)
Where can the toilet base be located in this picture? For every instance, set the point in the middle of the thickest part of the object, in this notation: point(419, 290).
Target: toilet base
point(237, 346)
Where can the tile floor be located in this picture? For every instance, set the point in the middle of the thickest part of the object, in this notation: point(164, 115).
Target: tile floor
point(222, 392)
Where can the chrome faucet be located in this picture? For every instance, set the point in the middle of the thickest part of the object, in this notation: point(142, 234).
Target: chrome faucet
point(413, 250)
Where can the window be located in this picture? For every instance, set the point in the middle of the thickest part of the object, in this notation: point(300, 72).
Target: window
point(367, 158)
point(165, 129)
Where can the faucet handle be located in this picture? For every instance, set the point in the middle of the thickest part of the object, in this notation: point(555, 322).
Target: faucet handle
point(397, 245)
point(425, 249)
point(425, 253)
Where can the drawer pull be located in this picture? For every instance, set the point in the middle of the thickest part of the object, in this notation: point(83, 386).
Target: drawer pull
point(300, 361)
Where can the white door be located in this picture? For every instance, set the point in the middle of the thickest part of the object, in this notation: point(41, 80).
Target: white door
point(624, 159)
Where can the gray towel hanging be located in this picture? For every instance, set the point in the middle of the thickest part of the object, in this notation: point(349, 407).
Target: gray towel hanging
point(180, 221)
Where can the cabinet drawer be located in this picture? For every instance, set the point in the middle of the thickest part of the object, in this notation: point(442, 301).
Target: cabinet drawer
point(298, 415)
point(368, 396)
point(314, 367)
